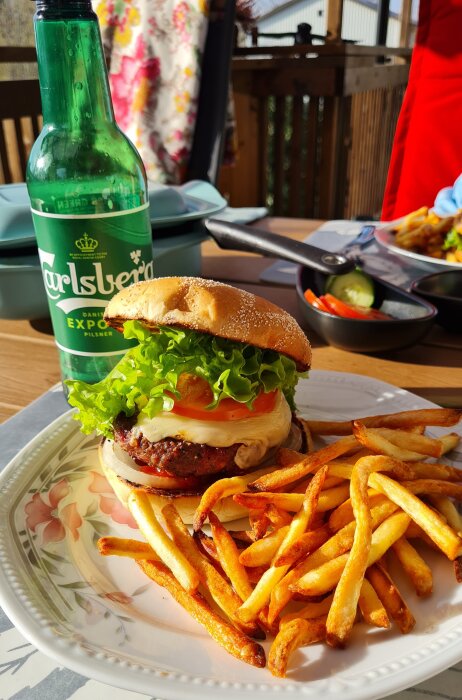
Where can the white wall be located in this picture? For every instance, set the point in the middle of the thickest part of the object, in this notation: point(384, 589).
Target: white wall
point(359, 22)
point(286, 20)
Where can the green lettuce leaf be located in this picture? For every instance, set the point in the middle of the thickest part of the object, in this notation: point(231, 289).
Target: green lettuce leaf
point(453, 240)
point(148, 373)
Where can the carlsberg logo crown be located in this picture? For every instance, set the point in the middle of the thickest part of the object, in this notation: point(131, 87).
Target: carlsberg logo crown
point(86, 244)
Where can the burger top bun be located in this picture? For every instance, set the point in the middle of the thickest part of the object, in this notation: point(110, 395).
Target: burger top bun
point(211, 307)
point(226, 509)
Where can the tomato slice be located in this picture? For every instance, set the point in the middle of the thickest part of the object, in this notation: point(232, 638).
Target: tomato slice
point(170, 480)
point(227, 409)
point(315, 301)
point(341, 308)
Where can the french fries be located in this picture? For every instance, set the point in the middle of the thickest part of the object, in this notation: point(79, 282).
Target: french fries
point(294, 634)
point(418, 571)
point(307, 465)
point(371, 606)
point(120, 547)
point(423, 231)
point(303, 546)
point(338, 544)
point(448, 510)
point(323, 579)
point(227, 636)
point(430, 522)
point(262, 591)
point(261, 552)
point(403, 420)
point(217, 491)
point(310, 610)
point(391, 598)
point(375, 440)
point(184, 572)
point(218, 587)
point(311, 563)
point(342, 612)
point(228, 556)
point(328, 499)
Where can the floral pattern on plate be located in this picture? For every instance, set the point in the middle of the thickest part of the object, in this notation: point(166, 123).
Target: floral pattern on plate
point(58, 522)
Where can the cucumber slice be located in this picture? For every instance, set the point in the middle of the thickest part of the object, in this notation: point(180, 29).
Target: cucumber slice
point(354, 288)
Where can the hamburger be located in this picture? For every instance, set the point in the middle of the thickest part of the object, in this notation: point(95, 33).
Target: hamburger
point(208, 392)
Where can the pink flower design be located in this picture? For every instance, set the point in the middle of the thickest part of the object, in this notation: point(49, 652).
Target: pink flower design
point(180, 20)
point(181, 156)
point(39, 512)
point(153, 25)
point(133, 87)
point(71, 518)
point(108, 503)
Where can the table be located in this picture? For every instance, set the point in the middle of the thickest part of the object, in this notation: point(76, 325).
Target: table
point(29, 367)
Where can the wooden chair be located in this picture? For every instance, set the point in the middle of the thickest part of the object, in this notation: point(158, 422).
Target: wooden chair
point(20, 116)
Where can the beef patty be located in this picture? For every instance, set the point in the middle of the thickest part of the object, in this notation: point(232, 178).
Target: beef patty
point(178, 457)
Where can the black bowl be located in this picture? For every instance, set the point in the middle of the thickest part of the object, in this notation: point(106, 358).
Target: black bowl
point(412, 317)
point(444, 290)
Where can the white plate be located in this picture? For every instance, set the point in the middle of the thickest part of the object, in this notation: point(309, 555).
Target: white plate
point(385, 237)
point(102, 618)
point(198, 200)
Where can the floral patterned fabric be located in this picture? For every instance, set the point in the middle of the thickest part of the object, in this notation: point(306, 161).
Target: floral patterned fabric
point(155, 49)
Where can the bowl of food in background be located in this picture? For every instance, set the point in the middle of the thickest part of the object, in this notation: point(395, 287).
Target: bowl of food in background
point(443, 290)
point(363, 314)
point(425, 237)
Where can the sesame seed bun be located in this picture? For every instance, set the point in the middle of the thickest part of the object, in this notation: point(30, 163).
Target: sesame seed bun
point(211, 307)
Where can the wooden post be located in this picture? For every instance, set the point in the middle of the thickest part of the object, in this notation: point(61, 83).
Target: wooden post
point(331, 146)
point(245, 177)
point(383, 13)
point(334, 20)
point(405, 23)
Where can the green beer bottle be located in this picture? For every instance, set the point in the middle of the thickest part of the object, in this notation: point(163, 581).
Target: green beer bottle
point(88, 192)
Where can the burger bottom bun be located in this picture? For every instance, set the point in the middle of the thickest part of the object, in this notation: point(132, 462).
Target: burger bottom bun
point(226, 509)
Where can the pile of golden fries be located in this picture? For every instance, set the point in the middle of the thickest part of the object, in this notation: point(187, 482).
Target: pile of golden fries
point(323, 529)
point(422, 231)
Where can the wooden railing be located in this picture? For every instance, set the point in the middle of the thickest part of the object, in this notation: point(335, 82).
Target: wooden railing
point(315, 128)
point(20, 115)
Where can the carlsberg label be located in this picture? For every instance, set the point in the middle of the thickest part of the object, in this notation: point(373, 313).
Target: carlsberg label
point(85, 260)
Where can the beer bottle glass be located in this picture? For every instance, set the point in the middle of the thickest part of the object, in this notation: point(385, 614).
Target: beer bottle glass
point(88, 192)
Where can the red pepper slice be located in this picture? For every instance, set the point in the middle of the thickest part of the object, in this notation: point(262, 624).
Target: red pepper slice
point(315, 301)
point(331, 305)
point(339, 308)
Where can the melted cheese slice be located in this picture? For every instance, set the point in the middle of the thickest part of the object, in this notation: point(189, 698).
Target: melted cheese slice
point(257, 434)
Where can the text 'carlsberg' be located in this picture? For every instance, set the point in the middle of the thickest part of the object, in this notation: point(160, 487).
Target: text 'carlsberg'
point(89, 285)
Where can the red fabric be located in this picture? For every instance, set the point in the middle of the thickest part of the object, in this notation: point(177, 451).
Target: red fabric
point(427, 150)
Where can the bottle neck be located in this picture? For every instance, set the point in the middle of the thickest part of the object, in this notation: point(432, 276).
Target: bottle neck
point(72, 71)
point(62, 8)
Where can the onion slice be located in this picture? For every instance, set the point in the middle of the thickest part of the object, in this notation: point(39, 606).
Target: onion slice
point(124, 466)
